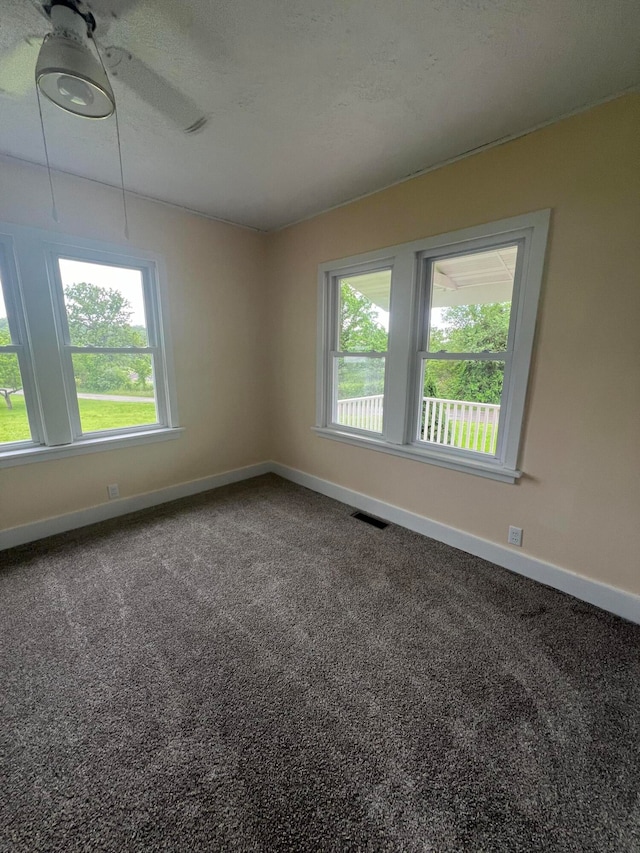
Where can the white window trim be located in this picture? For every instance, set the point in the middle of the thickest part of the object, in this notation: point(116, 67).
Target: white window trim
point(407, 262)
point(31, 273)
point(21, 454)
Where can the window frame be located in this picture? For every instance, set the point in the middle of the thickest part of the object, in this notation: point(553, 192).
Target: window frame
point(29, 260)
point(12, 296)
point(410, 298)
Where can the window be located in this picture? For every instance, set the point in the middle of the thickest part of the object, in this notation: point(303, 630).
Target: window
point(424, 348)
point(83, 347)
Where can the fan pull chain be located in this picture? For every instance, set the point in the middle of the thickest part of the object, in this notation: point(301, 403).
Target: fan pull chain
point(54, 211)
point(124, 199)
point(115, 112)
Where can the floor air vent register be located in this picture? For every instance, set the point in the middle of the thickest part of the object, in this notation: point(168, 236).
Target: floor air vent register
point(369, 519)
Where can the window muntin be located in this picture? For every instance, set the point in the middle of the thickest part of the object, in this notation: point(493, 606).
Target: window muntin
point(487, 439)
point(360, 343)
point(466, 351)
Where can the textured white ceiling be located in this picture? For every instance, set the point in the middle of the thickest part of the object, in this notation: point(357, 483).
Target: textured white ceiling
point(314, 102)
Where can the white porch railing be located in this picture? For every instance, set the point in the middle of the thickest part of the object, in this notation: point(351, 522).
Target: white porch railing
point(361, 412)
point(452, 423)
point(459, 423)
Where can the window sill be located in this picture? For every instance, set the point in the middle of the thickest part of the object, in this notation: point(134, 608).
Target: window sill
point(492, 470)
point(39, 453)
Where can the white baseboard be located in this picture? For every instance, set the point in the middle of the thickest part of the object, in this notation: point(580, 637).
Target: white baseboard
point(70, 521)
point(610, 598)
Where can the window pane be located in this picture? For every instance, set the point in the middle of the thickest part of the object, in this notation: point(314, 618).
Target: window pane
point(360, 389)
point(471, 301)
point(114, 391)
point(461, 404)
point(14, 425)
point(105, 304)
point(364, 312)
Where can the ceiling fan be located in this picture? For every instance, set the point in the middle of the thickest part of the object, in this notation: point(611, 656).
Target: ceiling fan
point(72, 73)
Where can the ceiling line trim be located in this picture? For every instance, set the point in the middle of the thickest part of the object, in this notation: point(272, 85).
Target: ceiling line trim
point(134, 194)
point(502, 140)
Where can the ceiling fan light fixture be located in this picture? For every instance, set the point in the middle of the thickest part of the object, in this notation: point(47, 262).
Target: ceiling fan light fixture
point(71, 77)
point(75, 90)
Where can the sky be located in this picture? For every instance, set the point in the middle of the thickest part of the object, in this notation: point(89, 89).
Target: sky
point(127, 281)
point(383, 317)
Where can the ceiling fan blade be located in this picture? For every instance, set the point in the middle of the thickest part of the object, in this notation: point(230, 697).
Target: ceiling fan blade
point(154, 89)
point(17, 66)
point(38, 5)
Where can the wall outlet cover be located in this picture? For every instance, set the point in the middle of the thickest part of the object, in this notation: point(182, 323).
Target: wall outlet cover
point(515, 536)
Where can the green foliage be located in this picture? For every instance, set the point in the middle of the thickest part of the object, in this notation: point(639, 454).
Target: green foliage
point(473, 328)
point(360, 331)
point(99, 316)
point(141, 366)
point(469, 328)
point(430, 430)
point(362, 378)
point(430, 387)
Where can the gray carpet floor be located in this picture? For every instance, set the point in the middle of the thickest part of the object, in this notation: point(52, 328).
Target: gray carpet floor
point(255, 670)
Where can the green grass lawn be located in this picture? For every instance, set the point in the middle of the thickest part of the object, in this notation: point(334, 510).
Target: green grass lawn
point(94, 415)
point(14, 425)
point(106, 414)
point(462, 438)
point(123, 392)
point(486, 440)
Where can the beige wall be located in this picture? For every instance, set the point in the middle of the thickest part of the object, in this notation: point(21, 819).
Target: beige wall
point(579, 501)
point(217, 302)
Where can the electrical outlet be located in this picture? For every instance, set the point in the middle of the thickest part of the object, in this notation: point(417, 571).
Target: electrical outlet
point(113, 491)
point(515, 536)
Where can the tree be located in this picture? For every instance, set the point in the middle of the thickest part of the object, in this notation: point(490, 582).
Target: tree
point(10, 378)
point(100, 316)
point(470, 328)
point(360, 331)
